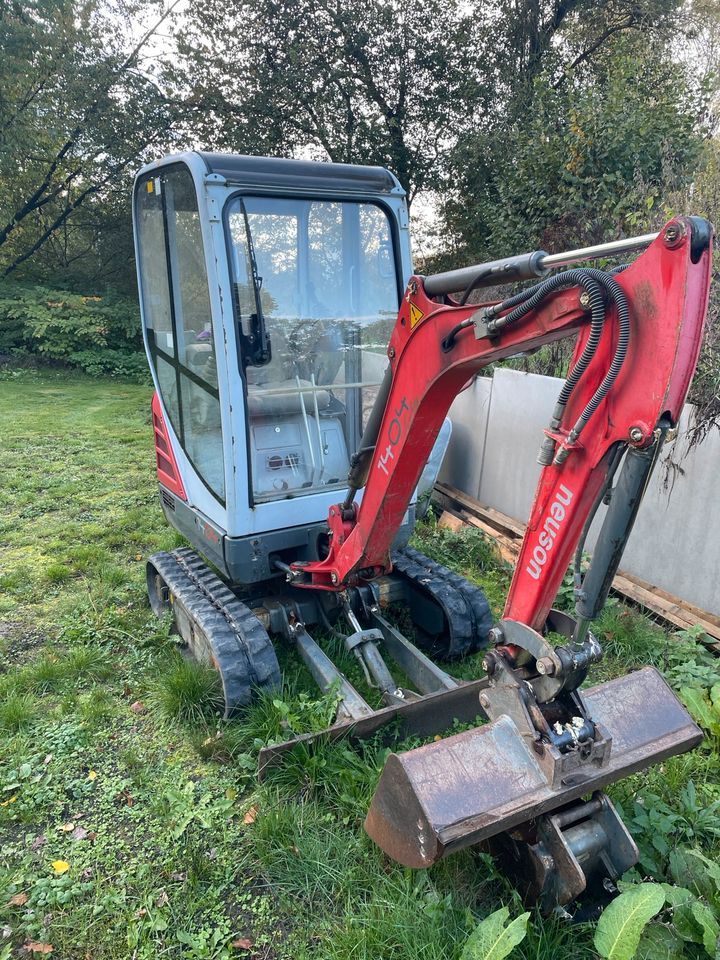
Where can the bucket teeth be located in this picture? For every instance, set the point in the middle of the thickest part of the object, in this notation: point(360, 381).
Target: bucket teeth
point(459, 791)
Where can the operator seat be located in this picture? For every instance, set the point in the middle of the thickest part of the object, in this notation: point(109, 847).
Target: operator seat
point(278, 376)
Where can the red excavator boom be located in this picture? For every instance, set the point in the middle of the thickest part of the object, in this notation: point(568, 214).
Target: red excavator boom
point(517, 782)
point(437, 347)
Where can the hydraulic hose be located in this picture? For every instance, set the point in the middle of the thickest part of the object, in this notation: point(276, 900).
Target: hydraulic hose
point(623, 312)
point(525, 301)
point(473, 285)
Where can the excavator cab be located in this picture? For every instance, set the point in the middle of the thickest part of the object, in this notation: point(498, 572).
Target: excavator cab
point(269, 292)
point(302, 378)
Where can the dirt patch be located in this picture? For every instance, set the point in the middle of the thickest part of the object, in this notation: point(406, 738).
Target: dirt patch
point(18, 644)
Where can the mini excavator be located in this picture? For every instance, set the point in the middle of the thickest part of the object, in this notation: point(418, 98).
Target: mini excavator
point(303, 375)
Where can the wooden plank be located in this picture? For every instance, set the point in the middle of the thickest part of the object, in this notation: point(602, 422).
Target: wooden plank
point(482, 511)
point(631, 591)
point(670, 608)
point(696, 612)
point(507, 533)
point(450, 521)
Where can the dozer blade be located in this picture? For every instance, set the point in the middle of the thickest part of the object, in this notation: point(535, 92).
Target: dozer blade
point(424, 717)
point(447, 795)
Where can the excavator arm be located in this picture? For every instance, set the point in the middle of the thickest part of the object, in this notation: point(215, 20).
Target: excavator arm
point(638, 336)
point(517, 782)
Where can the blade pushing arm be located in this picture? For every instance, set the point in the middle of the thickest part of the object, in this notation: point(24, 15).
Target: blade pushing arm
point(638, 339)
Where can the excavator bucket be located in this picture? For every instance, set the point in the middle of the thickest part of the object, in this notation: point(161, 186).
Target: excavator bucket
point(468, 788)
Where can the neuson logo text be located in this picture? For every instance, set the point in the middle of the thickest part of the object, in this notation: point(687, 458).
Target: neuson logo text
point(546, 540)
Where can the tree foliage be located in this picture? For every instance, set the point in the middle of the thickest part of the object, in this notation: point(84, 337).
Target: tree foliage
point(589, 160)
point(77, 114)
point(385, 82)
point(97, 334)
point(388, 81)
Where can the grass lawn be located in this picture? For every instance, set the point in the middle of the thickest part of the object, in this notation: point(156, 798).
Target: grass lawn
point(131, 825)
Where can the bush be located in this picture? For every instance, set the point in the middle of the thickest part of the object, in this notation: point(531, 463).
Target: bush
point(100, 335)
point(589, 160)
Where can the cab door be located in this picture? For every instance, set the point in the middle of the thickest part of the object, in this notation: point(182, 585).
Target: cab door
point(178, 329)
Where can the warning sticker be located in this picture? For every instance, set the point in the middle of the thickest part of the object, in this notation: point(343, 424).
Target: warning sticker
point(416, 315)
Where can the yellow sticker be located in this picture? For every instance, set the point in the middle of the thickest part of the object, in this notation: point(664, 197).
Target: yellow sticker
point(150, 186)
point(416, 315)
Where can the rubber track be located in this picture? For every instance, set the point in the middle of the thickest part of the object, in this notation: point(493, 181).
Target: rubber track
point(240, 645)
point(473, 595)
point(465, 606)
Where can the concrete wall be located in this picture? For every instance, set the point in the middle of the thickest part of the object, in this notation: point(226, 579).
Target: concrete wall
point(465, 454)
point(675, 544)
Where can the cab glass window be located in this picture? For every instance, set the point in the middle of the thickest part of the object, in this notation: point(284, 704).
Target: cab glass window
point(328, 293)
point(176, 314)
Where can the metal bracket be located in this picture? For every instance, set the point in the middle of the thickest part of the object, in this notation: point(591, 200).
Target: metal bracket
point(481, 319)
point(363, 636)
point(214, 197)
point(584, 844)
point(557, 668)
point(539, 694)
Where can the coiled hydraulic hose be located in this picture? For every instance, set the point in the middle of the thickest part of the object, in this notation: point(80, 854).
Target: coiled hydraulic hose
point(623, 313)
point(527, 300)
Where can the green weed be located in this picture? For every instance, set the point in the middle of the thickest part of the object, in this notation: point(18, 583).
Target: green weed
point(402, 918)
point(17, 712)
point(89, 664)
point(58, 573)
point(55, 671)
point(47, 673)
point(629, 637)
point(187, 691)
point(96, 707)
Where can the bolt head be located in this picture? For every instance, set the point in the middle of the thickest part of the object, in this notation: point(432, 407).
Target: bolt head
point(333, 577)
point(673, 234)
point(495, 635)
point(584, 299)
point(636, 434)
point(545, 667)
point(484, 701)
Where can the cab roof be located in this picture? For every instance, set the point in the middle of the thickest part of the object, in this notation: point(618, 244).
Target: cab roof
point(281, 173)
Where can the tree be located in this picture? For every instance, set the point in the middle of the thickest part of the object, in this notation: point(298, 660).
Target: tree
point(553, 38)
point(383, 82)
point(77, 115)
point(388, 81)
point(589, 160)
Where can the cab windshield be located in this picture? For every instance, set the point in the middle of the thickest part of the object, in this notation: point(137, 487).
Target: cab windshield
point(322, 274)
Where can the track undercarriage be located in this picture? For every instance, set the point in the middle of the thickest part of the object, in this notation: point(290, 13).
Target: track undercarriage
point(526, 785)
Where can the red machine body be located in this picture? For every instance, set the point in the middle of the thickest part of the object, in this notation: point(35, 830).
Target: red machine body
point(667, 290)
point(167, 469)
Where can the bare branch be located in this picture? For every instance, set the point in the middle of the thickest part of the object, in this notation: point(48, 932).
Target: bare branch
point(626, 24)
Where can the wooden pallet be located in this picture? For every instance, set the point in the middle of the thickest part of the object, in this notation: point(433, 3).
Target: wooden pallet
point(460, 509)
